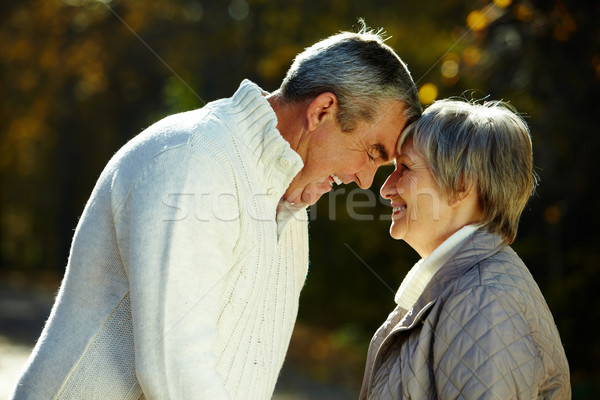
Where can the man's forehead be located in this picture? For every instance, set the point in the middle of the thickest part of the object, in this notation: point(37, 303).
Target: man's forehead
point(389, 125)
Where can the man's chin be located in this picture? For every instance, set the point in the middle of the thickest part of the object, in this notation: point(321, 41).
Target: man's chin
point(307, 197)
point(310, 198)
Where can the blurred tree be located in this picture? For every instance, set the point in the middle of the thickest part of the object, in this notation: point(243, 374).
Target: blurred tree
point(81, 77)
point(544, 57)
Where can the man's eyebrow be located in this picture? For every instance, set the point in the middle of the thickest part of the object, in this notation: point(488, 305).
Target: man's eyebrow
point(383, 154)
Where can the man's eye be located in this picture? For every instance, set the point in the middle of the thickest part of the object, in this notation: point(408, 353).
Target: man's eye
point(370, 156)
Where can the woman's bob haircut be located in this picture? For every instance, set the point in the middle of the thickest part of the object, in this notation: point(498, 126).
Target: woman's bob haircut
point(485, 146)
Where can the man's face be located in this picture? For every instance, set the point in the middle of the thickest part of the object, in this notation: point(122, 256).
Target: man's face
point(333, 155)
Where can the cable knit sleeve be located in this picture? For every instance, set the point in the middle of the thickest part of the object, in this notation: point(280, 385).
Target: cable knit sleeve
point(177, 227)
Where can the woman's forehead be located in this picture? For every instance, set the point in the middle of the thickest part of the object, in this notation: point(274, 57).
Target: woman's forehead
point(408, 150)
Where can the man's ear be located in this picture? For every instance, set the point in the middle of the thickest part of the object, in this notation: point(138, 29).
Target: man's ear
point(321, 108)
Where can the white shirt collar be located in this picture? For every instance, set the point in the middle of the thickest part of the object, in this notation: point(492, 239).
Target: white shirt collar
point(421, 273)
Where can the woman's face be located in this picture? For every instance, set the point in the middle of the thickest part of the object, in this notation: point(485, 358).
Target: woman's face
point(421, 214)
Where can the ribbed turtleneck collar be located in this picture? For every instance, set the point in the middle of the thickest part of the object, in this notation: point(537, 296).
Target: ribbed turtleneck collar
point(253, 122)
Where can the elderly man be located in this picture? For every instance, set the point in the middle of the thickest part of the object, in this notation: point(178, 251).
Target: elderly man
point(187, 264)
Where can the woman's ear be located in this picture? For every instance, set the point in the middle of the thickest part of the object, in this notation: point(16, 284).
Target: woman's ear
point(467, 193)
point(465, 205)
point(321, 108)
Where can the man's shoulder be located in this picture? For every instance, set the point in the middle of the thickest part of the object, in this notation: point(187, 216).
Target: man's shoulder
point(198, 131)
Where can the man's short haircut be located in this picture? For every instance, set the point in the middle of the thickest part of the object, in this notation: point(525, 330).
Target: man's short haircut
point(487, 145)
point(360, 69)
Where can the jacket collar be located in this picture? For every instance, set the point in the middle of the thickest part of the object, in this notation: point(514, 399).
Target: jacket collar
point(478, 247)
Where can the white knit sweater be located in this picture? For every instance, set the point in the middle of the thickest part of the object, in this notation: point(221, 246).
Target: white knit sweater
point(182, 281)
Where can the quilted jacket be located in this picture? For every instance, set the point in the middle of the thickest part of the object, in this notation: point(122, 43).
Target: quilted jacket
point(481, 329)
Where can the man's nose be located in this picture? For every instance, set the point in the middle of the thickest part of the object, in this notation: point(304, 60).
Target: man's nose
point(388, 189)
point(365, 177)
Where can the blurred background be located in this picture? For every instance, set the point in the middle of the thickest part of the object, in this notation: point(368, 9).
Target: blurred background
point(79, 78)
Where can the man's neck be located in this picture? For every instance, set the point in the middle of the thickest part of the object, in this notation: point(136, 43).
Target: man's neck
point(290, 118)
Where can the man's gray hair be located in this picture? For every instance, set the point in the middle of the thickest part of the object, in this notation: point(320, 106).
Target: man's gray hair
point(487, 145)
point(360, 69)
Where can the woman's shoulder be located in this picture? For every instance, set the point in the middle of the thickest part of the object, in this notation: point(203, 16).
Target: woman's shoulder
point(503, 270)
point(499, 285)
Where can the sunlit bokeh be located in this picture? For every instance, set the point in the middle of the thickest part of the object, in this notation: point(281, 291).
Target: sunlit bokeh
point(82, 77)
point(502, 3)
point(523, 12)
point(477, 20)
point(552, 214)
point(471, 55)
point(428, 93)
point(238, 9)
point(450, 66)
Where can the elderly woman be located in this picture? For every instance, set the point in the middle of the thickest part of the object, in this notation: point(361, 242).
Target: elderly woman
point(470, 320)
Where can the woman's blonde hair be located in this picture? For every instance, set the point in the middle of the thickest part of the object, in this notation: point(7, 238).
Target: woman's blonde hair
point(487, 145)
